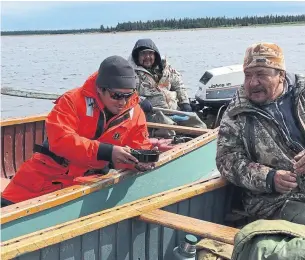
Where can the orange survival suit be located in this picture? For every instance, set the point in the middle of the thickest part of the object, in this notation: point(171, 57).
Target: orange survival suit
point(78, 140)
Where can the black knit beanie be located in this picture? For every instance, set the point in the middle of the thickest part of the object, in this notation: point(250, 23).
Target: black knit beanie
point(116, 72)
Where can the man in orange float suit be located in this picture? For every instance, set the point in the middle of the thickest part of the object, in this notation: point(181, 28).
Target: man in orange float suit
point(88, 128)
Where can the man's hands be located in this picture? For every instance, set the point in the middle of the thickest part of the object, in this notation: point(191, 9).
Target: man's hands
point(285, 181)
point(122, 155)
point(299, 165)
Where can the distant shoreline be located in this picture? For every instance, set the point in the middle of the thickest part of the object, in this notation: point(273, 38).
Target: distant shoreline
point(219, 27)
point(79, 32)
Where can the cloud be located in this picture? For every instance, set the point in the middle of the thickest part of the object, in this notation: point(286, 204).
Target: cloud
point(26, 8)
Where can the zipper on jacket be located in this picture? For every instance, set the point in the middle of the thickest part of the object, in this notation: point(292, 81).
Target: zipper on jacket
point(297, 144)
point(269, 117)
point(296, 112)
point(106, 124)
point(114, 118)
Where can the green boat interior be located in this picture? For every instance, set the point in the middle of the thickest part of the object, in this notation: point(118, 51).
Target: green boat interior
point(163, 196)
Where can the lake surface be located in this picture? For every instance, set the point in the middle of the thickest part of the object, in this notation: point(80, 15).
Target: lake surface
point(56, 63)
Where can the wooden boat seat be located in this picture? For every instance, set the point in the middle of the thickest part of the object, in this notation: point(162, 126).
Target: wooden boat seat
point(4, 183)
point(180, 129)
point(191, 225)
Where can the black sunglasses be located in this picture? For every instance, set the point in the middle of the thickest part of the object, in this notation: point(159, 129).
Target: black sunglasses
point(119, 95)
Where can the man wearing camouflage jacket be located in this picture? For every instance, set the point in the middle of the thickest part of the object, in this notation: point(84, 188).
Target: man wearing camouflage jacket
point(161, 86)
point(159, 83)
point(261, 143)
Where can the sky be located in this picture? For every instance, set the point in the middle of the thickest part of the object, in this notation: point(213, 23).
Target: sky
point(54, 15)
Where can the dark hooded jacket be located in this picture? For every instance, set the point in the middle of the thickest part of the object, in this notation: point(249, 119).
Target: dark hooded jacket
point(144, 44)
point(162, 85)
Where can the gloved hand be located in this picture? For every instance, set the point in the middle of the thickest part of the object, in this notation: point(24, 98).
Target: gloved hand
point(146, 106)
point(186, 107)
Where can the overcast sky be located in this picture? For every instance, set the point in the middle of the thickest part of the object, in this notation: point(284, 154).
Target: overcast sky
point(79, 15)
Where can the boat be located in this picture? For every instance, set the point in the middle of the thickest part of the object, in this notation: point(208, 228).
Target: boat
point(19, 136)
point(115, 216)
point(148, 228)
point(121, 215)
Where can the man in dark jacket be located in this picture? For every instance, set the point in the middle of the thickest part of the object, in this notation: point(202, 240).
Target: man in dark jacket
point(261, 144)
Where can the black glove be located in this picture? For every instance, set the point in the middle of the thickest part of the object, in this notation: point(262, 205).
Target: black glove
point(146, 106)
point(186, 107)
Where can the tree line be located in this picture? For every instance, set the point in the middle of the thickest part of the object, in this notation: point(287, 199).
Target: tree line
point(168, 24)
point(208, 22)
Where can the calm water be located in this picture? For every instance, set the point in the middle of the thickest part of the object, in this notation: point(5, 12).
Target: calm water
point(58, 63)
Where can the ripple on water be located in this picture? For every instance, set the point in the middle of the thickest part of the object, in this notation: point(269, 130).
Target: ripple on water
point(61, 62)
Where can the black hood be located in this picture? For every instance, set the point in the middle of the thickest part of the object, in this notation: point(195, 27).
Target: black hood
point(144, 44)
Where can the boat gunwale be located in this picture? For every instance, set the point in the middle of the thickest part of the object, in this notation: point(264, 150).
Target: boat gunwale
point(23, 120)
point(44, 202)
point(56, 234)
point(42, 117)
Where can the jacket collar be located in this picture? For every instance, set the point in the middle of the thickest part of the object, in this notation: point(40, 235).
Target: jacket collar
point(89, 90)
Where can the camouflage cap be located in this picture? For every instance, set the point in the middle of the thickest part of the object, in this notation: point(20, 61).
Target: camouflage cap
point(264, 54)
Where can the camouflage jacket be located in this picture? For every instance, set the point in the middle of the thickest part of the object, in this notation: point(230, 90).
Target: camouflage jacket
point(250, 144)
point(265, 239)
point(163, 88)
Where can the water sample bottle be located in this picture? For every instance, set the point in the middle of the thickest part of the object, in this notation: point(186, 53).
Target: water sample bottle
point(187, 249)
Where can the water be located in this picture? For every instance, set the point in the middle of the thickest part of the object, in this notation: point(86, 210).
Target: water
point(56, 63)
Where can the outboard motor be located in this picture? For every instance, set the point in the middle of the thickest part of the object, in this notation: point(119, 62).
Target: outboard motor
point(218, 87)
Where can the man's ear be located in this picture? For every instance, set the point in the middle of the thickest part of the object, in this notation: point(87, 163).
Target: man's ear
point(282, 76)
